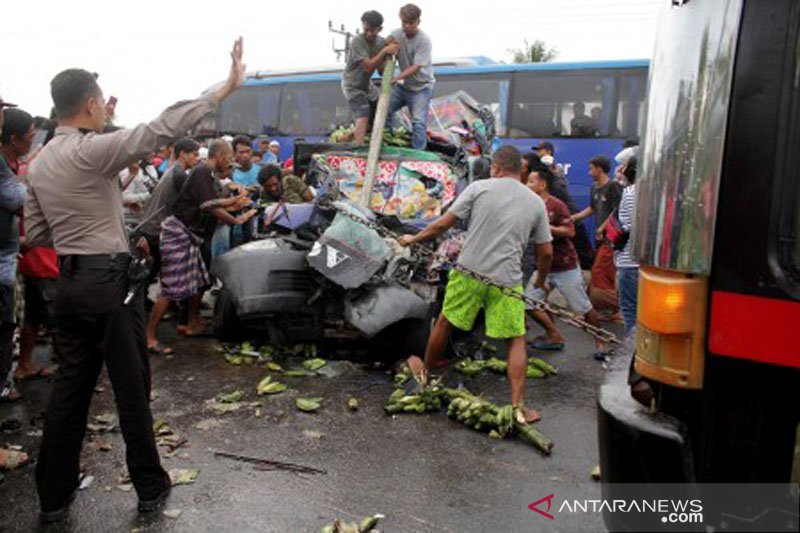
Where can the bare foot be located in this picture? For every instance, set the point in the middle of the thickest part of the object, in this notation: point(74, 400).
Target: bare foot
point(417, 367)
point(528, 416)
point(11, 459)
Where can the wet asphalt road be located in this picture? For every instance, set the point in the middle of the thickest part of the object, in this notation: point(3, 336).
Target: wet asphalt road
point(424, 472)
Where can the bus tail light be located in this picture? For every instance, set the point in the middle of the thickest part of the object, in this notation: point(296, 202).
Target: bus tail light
point(671, 327)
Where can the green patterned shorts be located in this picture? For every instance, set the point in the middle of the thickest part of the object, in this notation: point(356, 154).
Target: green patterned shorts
point(464, 297)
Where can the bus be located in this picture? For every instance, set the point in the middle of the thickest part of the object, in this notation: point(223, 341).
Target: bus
point(531, 103)
point(713, 395)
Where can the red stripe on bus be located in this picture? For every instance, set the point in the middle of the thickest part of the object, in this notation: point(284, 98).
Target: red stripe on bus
point(759, 329)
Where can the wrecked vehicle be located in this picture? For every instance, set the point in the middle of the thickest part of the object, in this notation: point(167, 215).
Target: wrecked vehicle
point(321, 274)
point(329, 269)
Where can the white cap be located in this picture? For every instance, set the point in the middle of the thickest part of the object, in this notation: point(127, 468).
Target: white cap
point(203, 151)
point(275, 143)
point(622, 157)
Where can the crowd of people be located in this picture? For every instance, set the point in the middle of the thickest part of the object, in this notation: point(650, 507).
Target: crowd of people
point(77, 214)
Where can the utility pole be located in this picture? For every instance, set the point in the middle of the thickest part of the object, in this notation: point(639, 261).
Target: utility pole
point(340, 31)
point(381, 114)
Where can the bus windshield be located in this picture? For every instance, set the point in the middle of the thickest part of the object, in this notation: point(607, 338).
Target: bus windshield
point(690, 86)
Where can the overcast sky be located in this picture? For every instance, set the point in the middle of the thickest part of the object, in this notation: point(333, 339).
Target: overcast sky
point(150, 53)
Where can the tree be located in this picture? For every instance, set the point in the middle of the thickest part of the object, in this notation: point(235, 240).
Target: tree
point(535, 52)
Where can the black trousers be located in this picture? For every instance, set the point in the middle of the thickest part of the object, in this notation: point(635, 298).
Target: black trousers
point(7, 327)
point(95, 328)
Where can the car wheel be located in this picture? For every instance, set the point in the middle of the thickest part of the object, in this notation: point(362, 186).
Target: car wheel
point(227, 326)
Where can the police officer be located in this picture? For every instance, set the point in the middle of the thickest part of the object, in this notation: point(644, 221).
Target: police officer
point(74, 201)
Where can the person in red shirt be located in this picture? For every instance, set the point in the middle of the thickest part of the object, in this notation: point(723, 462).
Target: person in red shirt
point(39, 265)
point(565, 272)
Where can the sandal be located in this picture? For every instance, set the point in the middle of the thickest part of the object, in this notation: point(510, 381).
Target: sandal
point(14, 459)
point(41, 373)
point(541, 343)
point(159, 349)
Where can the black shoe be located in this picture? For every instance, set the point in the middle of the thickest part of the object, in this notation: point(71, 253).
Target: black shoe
point(149, 506)
point(57, 515)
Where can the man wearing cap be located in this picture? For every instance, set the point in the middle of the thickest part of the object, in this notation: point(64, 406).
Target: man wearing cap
point(74, 200)
point(270, 157)
point(560, 189)
point(12, 198)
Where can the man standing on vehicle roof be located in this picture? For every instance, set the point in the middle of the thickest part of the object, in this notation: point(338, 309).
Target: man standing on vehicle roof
point(503, 213)
point(367, 51)
point(74, 200)
point(413, 87)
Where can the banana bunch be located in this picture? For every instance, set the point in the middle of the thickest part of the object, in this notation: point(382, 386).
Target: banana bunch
point(427, 400)
point(343, 134)
point(537, 368)
point(401, 377)
point(397, 137)
point(496, 365)
point(470, 367)
point(483, 415)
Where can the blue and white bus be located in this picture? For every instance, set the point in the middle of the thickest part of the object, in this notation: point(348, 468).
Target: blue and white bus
point(531, 103)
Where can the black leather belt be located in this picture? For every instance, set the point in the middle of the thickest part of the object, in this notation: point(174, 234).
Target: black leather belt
point(118, 261)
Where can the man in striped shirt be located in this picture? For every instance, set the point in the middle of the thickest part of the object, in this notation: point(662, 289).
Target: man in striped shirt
point(624, 260)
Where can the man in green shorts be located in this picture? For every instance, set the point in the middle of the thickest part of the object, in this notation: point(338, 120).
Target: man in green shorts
point(503, 213)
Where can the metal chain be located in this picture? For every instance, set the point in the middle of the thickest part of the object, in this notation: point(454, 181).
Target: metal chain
point(562, 314)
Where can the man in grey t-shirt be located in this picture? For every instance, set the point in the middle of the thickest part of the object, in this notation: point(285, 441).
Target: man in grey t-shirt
point(366, 52)
point(416, 74)
point(502, 214)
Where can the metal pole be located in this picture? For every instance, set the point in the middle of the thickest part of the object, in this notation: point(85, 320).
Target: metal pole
point(377, 133)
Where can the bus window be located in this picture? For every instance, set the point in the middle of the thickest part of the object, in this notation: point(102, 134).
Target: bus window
point(313, 109)
point(630, 108)
point(555, 104)
point(491, 91)
point(251, 110)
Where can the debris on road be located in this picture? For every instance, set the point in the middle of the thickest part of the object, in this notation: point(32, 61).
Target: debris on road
point(172, 513)
point(275, 367)
point(85, 482)
point(428, 400)
point(209, 423)
point(309, 405)
point(268, 464)
point(352, 403)
point(537, 368)
point(595, 473)
point(267, 386)
point(367, 524)
point(102, 423)
point(311, 434)
point(183, 476)
point(166, 437)
point(231, 397)
point(298, 374)
point(314, 364)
